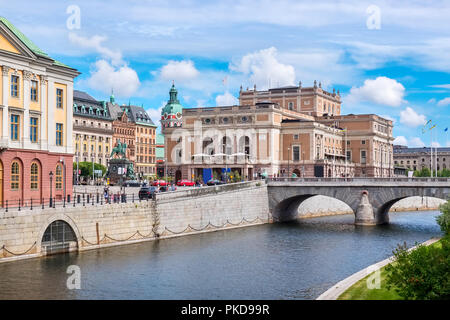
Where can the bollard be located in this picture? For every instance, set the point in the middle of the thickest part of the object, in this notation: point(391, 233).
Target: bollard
point(54, 202)
point(64, 202)
point(78, 198)
point(87, 198)
point(31, 204)
point(42, 202)
point(6, 205)
point(19, 204)
point(50, 202)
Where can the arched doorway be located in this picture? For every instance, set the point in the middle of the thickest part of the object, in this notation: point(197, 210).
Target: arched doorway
point(59, 237)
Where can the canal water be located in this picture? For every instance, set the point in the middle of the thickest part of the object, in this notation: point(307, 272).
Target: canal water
point(298, 260)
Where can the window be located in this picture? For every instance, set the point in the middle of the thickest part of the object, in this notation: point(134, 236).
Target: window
point(34, 179)
point(363, 156)
point(349, 155)
point(363, 141)
point(33, 129)
point(34, 90)
point(14, 127)
point(296, 153)
point(295, 136)
point(59, 134)
point(14, 86)
point(15, 175)
point(291, 106)
point(59, 98)
point(59, 178)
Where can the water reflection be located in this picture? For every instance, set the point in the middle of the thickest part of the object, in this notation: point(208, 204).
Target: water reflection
point(297, 260)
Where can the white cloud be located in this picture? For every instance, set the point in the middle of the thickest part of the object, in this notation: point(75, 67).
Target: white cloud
point(401, 140)
point(416, 142)
point(226, 99)
point(411, 118)
point(444, 86)
point(105, 77)
point(155, 114)
point(179, 71)
point(382, 90)
point(95, 43)
point(262, 67)
point(444, 102)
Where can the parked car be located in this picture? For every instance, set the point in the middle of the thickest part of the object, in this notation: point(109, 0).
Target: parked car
point(147, 192)
point(131, 183)
point(159, 183)
point(214, 182)
point(185, 182)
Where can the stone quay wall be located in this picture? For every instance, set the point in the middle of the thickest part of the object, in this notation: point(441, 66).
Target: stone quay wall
point(170, 214)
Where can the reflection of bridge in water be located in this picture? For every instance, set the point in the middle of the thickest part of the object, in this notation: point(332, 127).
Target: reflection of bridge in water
point(369, 198)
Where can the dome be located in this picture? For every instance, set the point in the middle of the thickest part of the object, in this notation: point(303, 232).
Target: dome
point(173, 106)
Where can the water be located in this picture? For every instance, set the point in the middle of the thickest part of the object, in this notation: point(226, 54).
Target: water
point(298, 260)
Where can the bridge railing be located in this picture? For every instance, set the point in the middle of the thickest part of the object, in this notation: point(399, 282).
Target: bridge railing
point(361, 179)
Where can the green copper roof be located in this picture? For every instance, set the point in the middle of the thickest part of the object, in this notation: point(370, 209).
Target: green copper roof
point(173, 105)
point(159, 152)
point(30, 44)
point(23, 38)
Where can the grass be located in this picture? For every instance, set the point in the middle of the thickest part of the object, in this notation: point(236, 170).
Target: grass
point(359, 290)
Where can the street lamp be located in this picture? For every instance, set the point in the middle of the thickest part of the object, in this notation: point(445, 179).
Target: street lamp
point(51, 187)
point(303, 169)
point(93, 171)
point(64, 174)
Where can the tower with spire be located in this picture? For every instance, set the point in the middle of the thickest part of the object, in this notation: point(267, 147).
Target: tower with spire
point(171, 114)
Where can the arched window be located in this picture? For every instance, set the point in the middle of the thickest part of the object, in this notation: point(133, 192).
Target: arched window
point(15, 175)
point(34, 178)
point(59, 177)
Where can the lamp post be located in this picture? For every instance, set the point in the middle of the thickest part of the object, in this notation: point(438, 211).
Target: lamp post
point(93, 171)
point(51, 187)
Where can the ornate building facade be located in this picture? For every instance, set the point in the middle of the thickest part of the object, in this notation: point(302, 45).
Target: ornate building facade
point(278, 132)
point(36, 95)
point(92, 129)
point(419, 158)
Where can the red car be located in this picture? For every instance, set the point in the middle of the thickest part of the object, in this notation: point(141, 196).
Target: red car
point(184, 183)
point(161, 183)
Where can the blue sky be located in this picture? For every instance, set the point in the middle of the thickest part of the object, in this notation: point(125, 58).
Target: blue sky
point(391, 58)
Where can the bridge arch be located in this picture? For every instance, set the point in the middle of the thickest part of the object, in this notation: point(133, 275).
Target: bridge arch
point(58, 234)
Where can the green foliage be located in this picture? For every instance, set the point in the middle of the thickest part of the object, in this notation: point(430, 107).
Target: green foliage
point(86, 168)
point(443, 220)
point(235, 176)
point(422, 274)
point(425, 172)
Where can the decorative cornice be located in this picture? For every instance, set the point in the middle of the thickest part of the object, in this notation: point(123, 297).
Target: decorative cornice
point(27, 75)
point(5, 70)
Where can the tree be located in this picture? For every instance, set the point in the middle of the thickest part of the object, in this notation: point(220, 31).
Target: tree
point(86, 168)
point(444, 219)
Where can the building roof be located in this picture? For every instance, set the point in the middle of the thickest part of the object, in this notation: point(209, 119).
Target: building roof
point(85, 105)
point(139, 115)
point(173, 106)
point(420, 150)
point(28, 43)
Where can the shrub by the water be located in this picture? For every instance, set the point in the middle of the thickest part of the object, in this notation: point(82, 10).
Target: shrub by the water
point(444, 219)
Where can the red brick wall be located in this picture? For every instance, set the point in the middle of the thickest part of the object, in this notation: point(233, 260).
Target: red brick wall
point(47, 162)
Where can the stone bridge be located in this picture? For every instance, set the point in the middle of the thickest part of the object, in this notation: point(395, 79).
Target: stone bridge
point(370, 199)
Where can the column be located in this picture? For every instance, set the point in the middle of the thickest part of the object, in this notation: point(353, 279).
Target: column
point(69, 119)
point(43, 135)
point(5, 95)
point(26, 109)
point(51, 126)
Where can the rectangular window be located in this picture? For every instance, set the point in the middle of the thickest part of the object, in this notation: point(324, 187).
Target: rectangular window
point(363, 156)
point(14, 127)
point(59, 98)
point(34, 90)
point(296, 153)
point(349, 155)
point(59, 134)
point(33, 129)
point(363, 141)
point(14, 86)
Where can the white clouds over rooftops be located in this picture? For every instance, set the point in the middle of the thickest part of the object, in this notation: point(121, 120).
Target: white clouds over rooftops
point(226, 99)
point(382, 90)
point(263, 69)
point(95, 43)
point(179, 71)
point(411, 118)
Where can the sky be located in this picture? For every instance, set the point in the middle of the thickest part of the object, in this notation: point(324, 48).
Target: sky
point(391, 58)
